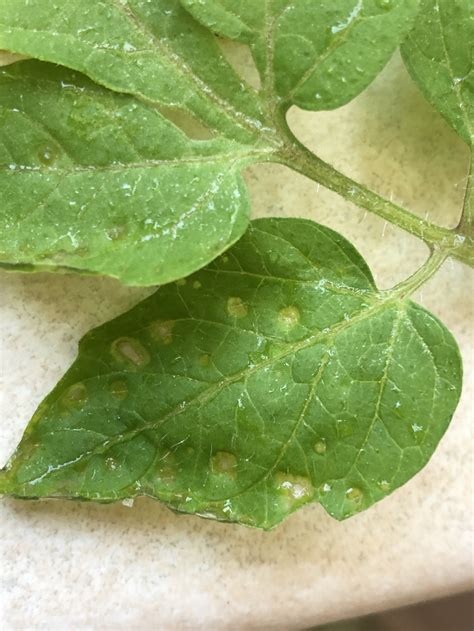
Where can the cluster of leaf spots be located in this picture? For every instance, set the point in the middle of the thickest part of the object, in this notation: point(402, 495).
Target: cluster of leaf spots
point(274, 377)
point(278, 375)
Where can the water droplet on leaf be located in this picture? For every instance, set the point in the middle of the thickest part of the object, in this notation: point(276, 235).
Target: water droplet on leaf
point(295, 488)
point(116, 232)
point(47, 155)
point(385, 4)
point(354, 494)
point(418, 432)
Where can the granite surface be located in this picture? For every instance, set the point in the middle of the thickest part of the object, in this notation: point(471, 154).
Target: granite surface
point(72, 566)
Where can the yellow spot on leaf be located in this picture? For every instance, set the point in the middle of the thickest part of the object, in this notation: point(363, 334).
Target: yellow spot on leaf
point(224, 462)
point(130, 350)
point(161, 331)
point(320, 447)
point(289, 316)
point(75, 395)
point(236, 308)
point(119, 389)
point(204, 360)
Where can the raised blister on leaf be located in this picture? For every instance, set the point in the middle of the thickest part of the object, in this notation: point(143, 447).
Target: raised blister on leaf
point(275, 377)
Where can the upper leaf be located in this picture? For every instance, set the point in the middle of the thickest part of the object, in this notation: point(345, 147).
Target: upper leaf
point(318, 54)
point(438, 54)
point(99, 182)
point(96, 180)
point(276, 376)
point(153, 50)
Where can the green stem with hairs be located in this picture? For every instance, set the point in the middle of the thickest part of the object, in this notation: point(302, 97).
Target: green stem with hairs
point(453, 243)
point(420, 277)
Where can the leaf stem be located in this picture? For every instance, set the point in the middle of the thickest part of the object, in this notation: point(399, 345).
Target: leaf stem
point(466, 225)
point(297, 157)
point(420, 277)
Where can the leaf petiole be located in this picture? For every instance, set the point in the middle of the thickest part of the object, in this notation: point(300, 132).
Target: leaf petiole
point(420, 277)
point(297, 157)
point(466, 225)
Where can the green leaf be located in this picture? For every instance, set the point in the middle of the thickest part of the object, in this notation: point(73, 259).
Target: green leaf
point(438, 55)
point(102, 183)
point(98, 180)
point(153, 50)
point(275, 377)
point(317, 54)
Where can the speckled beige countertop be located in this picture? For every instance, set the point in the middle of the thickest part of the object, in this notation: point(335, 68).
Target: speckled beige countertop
point(73, 566)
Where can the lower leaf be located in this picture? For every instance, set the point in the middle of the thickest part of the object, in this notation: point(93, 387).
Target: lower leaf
point(275, 377)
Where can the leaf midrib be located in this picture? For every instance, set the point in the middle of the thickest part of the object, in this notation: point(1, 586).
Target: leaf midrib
point(126, 166)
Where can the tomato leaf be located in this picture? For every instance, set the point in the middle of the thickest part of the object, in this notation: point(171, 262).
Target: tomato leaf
point(274, 377)
point(103, 183)
point(153, 50)
point(95, 178)
point(438, 55)
point(100, 182)
point(313, 53)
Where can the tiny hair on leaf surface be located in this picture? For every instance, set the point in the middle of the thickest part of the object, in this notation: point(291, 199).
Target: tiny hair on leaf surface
point(439, 56)
point(276, 376)
point(152, 50)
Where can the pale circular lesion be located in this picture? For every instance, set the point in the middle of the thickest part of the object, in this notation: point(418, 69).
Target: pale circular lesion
point(7, 58)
